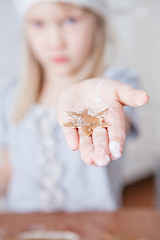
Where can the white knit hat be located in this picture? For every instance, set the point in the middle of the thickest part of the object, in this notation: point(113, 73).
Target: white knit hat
point(98, 6)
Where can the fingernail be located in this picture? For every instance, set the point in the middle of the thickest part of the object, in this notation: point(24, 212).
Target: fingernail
point(143, 99)
point(115, 149)
point(103, 161)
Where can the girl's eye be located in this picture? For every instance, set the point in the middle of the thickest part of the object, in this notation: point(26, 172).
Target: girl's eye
point(71, 20)
point(38, 24)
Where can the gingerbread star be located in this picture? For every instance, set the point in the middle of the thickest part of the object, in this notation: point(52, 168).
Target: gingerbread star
point(86, 121)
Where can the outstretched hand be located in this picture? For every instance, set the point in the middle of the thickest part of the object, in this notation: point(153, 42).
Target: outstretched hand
point(95, 95)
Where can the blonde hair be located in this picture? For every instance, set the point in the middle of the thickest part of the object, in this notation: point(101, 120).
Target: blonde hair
point(31, 83)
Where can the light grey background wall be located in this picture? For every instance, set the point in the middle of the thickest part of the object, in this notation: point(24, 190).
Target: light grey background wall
point(10, 39)
point(139, 28)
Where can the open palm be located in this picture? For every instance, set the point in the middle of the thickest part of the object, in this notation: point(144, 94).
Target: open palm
point(96, 95)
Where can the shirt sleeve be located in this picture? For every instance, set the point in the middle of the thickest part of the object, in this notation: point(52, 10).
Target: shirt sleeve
point(127, 76)
point(5, 89)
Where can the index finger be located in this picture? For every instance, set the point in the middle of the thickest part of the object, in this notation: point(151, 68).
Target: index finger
point(116, 130)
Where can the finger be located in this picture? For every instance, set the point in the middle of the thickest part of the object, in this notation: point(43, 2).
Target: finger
point(101, 148)
point(71, 135)
point(86, 147)
point(116, 131)
point(131, 97)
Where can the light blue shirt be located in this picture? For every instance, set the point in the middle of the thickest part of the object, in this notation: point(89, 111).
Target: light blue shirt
point(46, 174)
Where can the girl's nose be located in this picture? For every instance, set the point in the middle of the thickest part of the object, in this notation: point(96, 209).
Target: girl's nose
point(55, 37)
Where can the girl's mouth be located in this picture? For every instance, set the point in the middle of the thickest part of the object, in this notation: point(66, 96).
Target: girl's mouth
point(59, 59)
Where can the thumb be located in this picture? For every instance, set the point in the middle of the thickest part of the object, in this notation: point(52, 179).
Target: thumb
point(131, 97)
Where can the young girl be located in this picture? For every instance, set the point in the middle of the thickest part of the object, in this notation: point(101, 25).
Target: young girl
point(64, 46)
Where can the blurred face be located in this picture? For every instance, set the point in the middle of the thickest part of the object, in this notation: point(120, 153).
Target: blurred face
point(60, 36)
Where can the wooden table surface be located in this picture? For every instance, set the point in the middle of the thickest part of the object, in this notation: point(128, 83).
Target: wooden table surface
point(126, 224)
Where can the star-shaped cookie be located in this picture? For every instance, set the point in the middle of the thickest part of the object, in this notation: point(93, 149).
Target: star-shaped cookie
point(86, 121)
